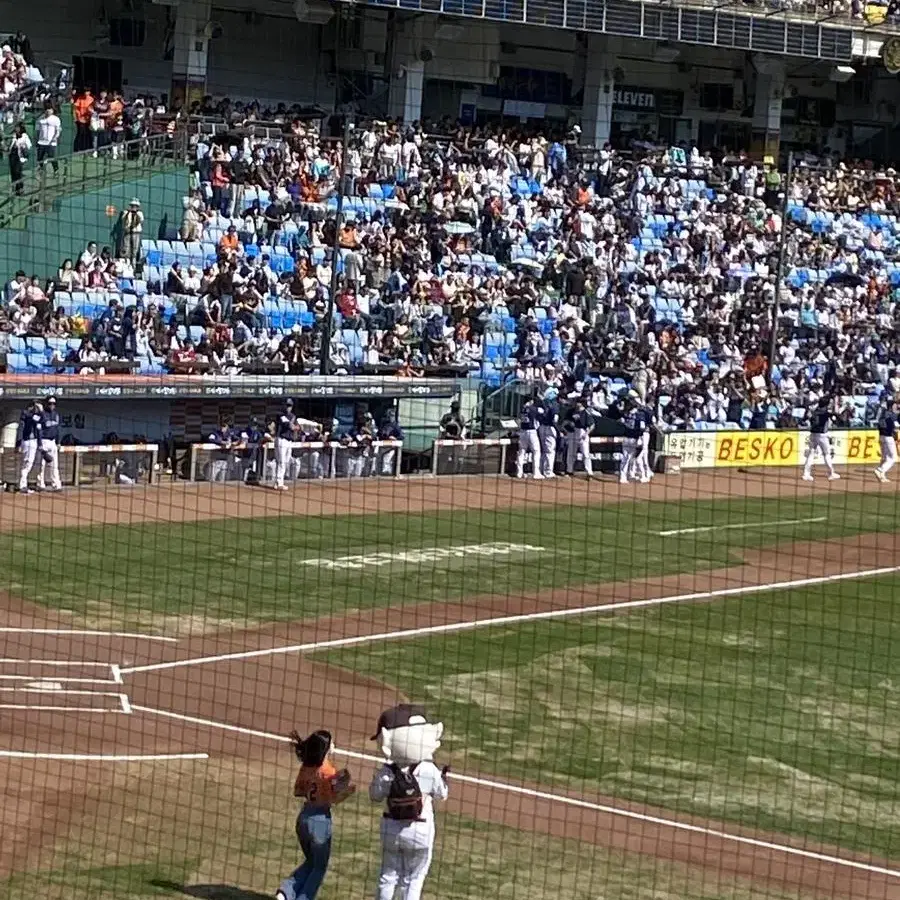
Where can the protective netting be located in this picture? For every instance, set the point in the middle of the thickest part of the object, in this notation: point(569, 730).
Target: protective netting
point(489, 415)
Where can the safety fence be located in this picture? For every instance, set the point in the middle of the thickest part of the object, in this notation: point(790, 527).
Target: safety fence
point(496, 456)
point(750, 449)
point(129, 464)
point(309, 460)
point(91, 465)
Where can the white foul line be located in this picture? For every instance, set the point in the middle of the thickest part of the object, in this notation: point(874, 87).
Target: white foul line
point(116, 673)
point(511, 620)
point(567, 801)
point(54, 662)
point(99, 757)
point(126, 704)
point(740, 525)
point(77, 633)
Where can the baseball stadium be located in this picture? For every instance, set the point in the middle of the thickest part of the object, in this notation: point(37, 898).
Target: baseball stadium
point(448, 450)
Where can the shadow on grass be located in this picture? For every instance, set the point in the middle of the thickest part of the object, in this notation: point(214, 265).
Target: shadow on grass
point(211, 891)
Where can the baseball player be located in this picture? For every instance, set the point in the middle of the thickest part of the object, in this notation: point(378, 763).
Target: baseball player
point(389, 431)
point(579, 439)
point(30, 425)
point(225, 439)
point(628, 412)
point(49, 448)
point(547, 433)
point(887, 438)
point(642, 463)
point(286, 428)
point(252, 440)
point(819, 420)
point(528, 441)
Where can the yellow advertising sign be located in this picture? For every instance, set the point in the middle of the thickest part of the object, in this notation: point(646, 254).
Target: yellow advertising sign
point(757, 448)
point(748, 449)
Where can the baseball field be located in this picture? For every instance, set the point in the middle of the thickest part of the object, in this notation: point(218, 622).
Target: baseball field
point(689, 689)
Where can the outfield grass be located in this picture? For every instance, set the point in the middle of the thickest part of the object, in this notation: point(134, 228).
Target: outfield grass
point(224, 829)
point(252, 570)
point(779, 711)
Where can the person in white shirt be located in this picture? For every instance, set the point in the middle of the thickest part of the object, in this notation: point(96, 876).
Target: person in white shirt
point(408, 785)
point(49, 129)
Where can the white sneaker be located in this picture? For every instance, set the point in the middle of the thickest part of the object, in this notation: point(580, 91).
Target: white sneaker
point(880, 476)
point(623, 481)
point(808, 478)
point(538, 477)
point(27, 491)
point(834, 477)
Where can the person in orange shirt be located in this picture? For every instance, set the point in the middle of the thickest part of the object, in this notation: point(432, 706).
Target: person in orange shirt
point(82, 110)
point(229, 243)
point(321, 786)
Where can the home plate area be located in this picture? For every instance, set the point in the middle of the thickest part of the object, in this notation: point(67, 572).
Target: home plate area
point(63, 697)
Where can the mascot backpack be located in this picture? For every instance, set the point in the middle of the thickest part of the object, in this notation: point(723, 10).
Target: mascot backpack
point(404, 802)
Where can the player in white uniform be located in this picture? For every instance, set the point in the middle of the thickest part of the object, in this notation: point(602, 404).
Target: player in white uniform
point(887, 438)
point(286, 428)
point(30, 425)
point(49, 447)
point(819, 442)
point(580, 438)
point(529, 445)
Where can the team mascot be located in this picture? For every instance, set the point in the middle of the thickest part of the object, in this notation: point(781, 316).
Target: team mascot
point(407, 784)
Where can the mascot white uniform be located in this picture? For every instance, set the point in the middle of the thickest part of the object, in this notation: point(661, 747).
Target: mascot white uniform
point(407, 785)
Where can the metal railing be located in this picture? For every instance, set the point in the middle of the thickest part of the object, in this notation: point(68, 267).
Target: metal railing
point(78, 173)
point(504, 402)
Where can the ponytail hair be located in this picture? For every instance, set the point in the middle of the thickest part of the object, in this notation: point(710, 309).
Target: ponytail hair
point(314, 749)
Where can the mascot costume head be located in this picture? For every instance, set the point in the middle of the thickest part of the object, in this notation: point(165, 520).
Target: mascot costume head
point(405, 735)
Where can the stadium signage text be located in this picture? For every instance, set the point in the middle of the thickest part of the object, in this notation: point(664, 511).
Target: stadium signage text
point(724, 449)
point(634, 99)
point(424, 555)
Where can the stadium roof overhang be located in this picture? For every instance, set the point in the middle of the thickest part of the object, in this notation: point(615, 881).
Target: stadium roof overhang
point(723, 26)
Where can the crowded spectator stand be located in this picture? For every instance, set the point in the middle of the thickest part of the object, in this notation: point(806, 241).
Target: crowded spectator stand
point(524, 260)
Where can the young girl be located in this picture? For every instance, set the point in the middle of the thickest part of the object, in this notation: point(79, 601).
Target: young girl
point(321, 786)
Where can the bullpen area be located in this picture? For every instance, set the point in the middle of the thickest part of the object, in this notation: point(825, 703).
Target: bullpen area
point(684, 689)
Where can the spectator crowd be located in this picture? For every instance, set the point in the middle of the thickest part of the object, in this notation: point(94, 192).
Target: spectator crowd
point(503, 254)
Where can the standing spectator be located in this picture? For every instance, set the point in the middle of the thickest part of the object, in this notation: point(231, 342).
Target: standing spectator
point(50, 424)
point(132, 231)
point(82, 110)
point(100, 123)
point(49, 129)
point(29, 440)
point(19, 150)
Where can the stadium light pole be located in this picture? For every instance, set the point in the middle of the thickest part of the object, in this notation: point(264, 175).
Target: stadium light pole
point(779, 268)
point(335, 252)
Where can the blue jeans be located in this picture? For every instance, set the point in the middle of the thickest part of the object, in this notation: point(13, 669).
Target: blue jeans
point(314, 832)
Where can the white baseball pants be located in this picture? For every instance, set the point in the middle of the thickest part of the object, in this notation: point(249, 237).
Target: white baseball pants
point(528, 446)
point(283, 449)
point(405, 859)
point(51, 448)
point(388, 464)
point(630, 450)
point(642, 466)
point(29, 454)
point(218, 470)
point(821, 443)
point(547, 436)
point(888, 454)
point(579, 442)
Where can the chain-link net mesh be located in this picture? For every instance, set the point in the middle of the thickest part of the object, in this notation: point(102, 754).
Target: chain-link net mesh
point(447, 452)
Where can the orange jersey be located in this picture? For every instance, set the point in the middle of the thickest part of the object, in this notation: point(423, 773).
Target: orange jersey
point(315, 785)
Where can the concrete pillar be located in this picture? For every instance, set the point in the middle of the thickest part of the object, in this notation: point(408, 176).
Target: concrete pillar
point(405, 97)
point(767, 102)
point(599, 88)
point(191, 51)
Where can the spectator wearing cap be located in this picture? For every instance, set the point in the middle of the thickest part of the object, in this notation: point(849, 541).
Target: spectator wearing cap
point(132, 231)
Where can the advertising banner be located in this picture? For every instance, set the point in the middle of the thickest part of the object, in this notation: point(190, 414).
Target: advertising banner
point(749, 449)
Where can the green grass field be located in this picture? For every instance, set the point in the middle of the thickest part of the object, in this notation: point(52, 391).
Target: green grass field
point(234, 840)
point(779, 711)
point(237, 571)
point(776, 710)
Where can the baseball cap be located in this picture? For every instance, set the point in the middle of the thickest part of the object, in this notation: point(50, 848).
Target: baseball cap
point(397, 717)
point(51, 399)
